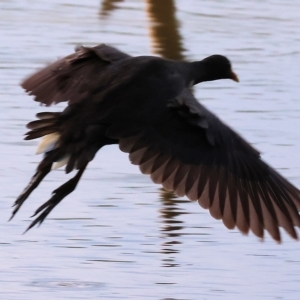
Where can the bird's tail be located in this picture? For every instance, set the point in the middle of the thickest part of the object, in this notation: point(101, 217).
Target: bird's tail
point(46, 127)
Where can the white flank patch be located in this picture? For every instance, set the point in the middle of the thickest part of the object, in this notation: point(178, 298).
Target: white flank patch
point(61, 162)
point(47, 143)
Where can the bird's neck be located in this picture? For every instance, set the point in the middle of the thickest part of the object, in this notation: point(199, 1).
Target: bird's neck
point(193, 72)
point(199, 72)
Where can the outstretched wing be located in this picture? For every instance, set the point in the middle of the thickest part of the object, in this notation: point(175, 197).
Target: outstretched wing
point(190, 151)
point(72, 78)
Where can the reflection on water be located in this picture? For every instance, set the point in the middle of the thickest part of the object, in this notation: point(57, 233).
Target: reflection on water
point(117, 236)
point(106, 6)
point(171, 226)
point(67, 285)
point(164, 29)
point(166, 42)
point(170, 212)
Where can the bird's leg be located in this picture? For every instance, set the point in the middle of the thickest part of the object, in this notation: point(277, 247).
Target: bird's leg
point(57, 195)
point(42, 170)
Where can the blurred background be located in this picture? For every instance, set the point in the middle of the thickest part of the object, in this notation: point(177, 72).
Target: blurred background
point(119, 236)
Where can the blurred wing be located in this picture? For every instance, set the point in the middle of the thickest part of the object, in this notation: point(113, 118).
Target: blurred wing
point(73, 77)
point(190, 151)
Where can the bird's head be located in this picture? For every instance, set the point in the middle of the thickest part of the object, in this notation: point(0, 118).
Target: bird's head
point(218, 67)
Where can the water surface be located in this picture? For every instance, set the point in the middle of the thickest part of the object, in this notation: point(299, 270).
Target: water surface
point(119, 236)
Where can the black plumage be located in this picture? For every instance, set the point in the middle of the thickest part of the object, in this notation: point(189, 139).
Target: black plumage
point(144, 104)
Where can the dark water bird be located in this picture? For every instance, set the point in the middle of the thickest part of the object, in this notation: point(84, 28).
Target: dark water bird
point(144, 104)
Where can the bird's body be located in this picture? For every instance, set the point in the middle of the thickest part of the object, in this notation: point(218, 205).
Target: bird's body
point(144, 104)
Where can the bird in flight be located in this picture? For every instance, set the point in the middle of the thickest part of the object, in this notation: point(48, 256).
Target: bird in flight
point(144, 104)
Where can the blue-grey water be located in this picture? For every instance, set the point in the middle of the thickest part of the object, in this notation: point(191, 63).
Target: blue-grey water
point(119, 236)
